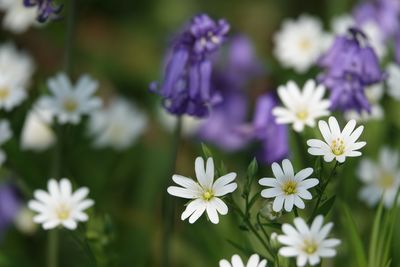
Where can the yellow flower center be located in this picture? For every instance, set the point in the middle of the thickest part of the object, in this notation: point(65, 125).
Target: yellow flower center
point(386, 180)
point(338, 147)
point(305, 44)
point(289, 188)
point(302, 115)
point(4, 93)
point(310, 247)
point(63, 212)
point(70, 105)
point(208, 194)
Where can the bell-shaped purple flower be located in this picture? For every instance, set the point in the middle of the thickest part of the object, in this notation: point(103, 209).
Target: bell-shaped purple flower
point(10, 204)
point(273, 136)
point(349, 66)
point(46, 9)
point(186, 88)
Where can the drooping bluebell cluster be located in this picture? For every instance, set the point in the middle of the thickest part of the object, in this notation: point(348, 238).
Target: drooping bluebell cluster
point(46, 9)
point(349, 66)
point(10, 204)
point(186, 87)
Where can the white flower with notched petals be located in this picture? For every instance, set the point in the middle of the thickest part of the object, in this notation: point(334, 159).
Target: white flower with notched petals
point(205, 193)
point(60, 206)
point(5, 135)
point(254, 261)
point(308, 244)
point(301, 107)
point(288, 189)
point(393, 81)
point(16, 69)
point(69, 103)
point(299, 43)
point(17, 17)
point(118, 125)
point(382, 179)
point(337, 144)
point(37, 133)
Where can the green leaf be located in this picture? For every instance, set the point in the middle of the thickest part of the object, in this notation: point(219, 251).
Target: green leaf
point(327, 206)
point(252, 169)
point(354, 237)
point(373, 245)
point(206, 151)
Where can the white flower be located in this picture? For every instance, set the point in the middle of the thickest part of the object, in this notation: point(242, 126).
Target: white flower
point(288, 188)
point(393, 80)
point(5, 135)
point(341, 24)
point(308, 244)
point(301, 107)
point(68, 103)
point(24, 221)
point(190, 124)
point(60, 206)
point(382, 179)
point(17, 18)
point(254, 261)
point(299, 43)
point(118, 125)
point(338, 144)
point(36, 133)
point(374, 94)
point(205, 192)
point(16, 69)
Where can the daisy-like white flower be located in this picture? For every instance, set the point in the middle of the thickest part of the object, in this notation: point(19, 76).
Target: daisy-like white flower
point(60, 206)
point(308, 244)
point(118, 125)
point(337, 144)
point(69, 103)
point(254, 261)
point(37, 133)
point(5, 135)
point(301, 107)
point(381, 179)
point(288, 188)
point(190, 124)
point(299, 43)
point(205, 193)
point(393, 81)
point(16, 69)
point(374, 94)
point(17, 17)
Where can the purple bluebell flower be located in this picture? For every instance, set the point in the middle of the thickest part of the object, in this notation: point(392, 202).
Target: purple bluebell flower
point(385, 13)
point(10, 204)
point(350, 65)
point(226, 126)
point(273, 136)
point(46, 9)
point(186, 88)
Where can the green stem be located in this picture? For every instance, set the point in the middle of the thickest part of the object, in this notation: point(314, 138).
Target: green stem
point(168, 207)
point(69, 37)
point(52, 248)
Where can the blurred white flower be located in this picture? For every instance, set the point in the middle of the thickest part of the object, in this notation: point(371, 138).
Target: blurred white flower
point(299, 43)
point(118, 125)
point(37, 133)
point(288, 189)
point(24, 221)
point(5, 135)
point(17, 17)
point(301, 107)
point(190, 124)
point(60, 206)
point(254, 261)
point(393, 81)
point(16, 69)
point(69, 103)
point(381, 179)
point(374, 94)
point(205, 193)
point(308, 244)
point(340, 24)
point(337, 144)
